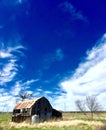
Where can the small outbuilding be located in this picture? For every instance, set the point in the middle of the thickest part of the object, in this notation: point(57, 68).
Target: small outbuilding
point(34, 110)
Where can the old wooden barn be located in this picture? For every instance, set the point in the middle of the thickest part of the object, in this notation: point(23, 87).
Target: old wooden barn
point(34, 110)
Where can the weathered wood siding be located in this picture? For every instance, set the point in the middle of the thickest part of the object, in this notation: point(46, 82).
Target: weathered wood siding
point(42, 108)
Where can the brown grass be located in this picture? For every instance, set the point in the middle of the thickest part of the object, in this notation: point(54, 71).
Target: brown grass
point(69, 119)
point(75, 115)
point(49, 124)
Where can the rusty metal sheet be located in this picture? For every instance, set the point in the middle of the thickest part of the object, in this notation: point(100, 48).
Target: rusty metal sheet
point(25, 104)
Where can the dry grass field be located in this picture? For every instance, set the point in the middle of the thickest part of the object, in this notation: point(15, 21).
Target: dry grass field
point(79, 115)
point(70, 121)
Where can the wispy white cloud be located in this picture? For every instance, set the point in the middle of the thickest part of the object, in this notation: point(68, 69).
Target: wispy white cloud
point(59, 55)
point(6, 102)
point(5, 54)
point(50, 58)
point(12, 2)
point(75, 14)
point(9, 69)
point(41, 92)
point(8, 65)
point(88, 79)
point(21, 86)
point(2, 90)
point(9, 56)
point(29, 82)
point(15, 90)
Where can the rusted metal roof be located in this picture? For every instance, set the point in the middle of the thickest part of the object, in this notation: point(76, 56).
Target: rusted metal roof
point(26, 104)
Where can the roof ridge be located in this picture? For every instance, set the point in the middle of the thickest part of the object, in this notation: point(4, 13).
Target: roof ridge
point(26, 103)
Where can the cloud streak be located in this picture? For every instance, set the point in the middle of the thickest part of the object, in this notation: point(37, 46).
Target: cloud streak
point(8, 63)
point(10, 56)
point(12, 2)
point(88, 79)
point(50, 58)
point(68, 8)
point(21, 86)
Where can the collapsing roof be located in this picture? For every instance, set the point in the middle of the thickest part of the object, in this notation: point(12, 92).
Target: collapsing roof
point(26, 104)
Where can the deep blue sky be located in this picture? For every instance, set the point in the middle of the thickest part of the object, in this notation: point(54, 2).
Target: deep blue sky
point(43, 43)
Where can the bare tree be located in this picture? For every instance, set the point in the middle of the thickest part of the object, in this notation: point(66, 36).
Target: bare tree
point(81, 106)
point(93, 105)
point(90, 103)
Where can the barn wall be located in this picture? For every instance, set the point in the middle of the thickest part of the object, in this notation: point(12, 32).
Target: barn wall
point(20, 115)
point(34, 109)
point(43, 109)
point(56, 114)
